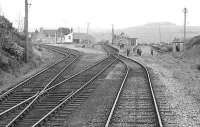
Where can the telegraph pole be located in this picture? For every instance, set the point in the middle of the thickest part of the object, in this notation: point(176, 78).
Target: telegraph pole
point(26, 53)
point(159, 33)
point(0, 8)
point(78, 34)
point(78, 30)
point(88, 24)
point(113, 34)
point(185, 14)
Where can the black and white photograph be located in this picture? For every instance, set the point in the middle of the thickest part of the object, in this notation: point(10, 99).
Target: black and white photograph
point(99, 63)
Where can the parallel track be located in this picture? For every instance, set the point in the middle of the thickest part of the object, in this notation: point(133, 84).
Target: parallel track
point(20, 96)
point(4, 93)
point(62, 49)
point(60, 114)
point(49, 99)
point(60, 100)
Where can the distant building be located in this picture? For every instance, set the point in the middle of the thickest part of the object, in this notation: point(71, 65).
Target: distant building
point(123, 39)
point(68, 38)
point(60, 35)
point(132, 41)
point(83, 38)
point(177, 45)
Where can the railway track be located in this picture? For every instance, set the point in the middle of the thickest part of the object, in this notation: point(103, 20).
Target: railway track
point(167, 115)
point(18, 97)
point(47, 100)
point(135, 103)
point(62, 49)
point(9, 90)
point(60, 116)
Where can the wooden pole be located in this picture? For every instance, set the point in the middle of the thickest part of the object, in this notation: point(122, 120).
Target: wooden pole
point(185, 14)
point(113, 34)
point(26, 32)
point(88, 24)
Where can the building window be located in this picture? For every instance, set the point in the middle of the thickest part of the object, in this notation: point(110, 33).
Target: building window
point(69, 37)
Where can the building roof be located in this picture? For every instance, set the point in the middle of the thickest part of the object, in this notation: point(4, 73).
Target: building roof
point(131, 38)
point(83, 36)
point(177, 42)
point(49, 32)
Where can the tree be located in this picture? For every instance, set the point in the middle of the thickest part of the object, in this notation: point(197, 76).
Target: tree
point(20, 23)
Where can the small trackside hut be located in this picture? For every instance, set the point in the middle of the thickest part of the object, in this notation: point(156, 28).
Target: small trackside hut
point(178, 46)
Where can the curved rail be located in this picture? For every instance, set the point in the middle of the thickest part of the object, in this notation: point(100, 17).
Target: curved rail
point(117, 97)
point(47, 86)
point(42, 93)
point(29, 78)
point(71, 95)
point(33, 76)
point(31, 98)
point(151, 89)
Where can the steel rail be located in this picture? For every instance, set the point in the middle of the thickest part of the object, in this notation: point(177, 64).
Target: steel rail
point(23, 83)
point(154, 98)
point(73, 61)
point(43, 92)
point(31, 77)
point(54, 48)
point(24, 102)
point(117, 97)
point(71, 95)
point(151, 89)
point(75, 52)
point(63, 81)
point(150, 85)
point(75, 75)
point(17, 105)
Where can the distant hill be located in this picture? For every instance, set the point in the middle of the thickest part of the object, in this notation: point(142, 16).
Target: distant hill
point(149, 33)
point(168, 31)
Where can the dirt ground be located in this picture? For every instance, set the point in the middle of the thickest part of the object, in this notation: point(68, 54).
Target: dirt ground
point(181, 81)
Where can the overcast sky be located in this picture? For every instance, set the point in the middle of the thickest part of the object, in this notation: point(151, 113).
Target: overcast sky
point(101, 13)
